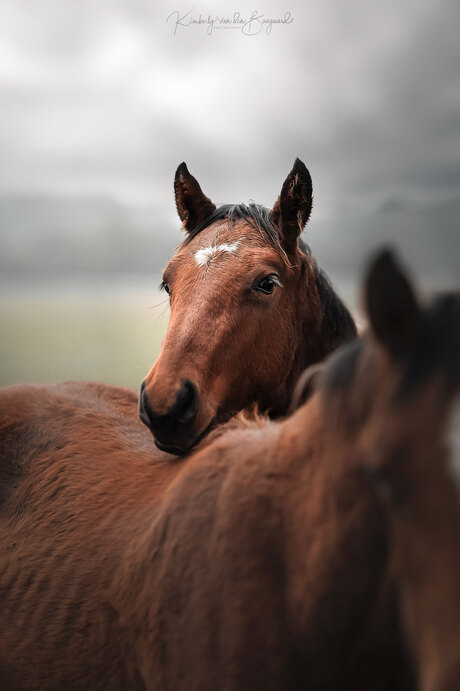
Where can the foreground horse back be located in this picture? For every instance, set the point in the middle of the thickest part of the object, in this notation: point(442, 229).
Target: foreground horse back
point(77, 480)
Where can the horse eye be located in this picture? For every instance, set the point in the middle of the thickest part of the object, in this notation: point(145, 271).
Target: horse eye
point(267, 284)
point(164, 286)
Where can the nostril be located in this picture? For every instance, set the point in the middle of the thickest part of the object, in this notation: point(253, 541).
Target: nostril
point(143, 406)
point(185, 407)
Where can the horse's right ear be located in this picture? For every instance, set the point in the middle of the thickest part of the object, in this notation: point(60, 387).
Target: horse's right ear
point(293, 207)
point(192, 205)
point(391, 305)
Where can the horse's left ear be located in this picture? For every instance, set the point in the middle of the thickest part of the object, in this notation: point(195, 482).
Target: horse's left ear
point(192, 205)
point(293, 207)
point(391, 305)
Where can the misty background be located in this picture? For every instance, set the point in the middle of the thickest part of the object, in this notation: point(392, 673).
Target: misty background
point(100, 101)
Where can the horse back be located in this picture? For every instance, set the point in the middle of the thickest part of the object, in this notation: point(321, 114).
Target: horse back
point(38, 421)
point(76, 468)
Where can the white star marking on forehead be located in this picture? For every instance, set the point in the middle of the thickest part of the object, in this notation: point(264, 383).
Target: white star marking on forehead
point(205, 256)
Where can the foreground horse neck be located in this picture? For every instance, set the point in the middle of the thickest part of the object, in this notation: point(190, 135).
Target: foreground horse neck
point(424, 519)
point(396, 393)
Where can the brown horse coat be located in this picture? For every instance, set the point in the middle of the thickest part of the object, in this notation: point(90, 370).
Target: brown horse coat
point(256, 562)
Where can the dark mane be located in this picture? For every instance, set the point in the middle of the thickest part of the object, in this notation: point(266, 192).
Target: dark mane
point(341, 367)
point(338, 323)
point(438, 345)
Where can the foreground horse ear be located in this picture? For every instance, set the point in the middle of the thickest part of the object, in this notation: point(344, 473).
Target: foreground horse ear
point(309, 381)
point(293, 207)
point(392, 307)
point(192, 205)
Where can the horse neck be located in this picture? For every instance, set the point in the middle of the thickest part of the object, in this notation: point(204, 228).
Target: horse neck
point(335, 541)
point(337, 326)
point(426, 558)
point(325, 324)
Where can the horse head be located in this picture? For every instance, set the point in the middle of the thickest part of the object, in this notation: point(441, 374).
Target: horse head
point(247, 312)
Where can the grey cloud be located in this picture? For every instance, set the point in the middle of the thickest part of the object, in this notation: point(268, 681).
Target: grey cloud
point(102, 99)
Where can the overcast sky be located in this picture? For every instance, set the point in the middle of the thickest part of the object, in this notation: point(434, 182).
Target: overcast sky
point(101, 97)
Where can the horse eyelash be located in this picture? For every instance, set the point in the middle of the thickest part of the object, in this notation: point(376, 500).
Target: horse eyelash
point(162, 286)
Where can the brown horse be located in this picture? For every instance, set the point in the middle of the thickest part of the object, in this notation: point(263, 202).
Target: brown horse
point(259, 562)
point(249, 311)
point(411, 445)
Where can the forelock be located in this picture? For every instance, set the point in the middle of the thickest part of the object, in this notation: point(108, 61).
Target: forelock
point(256, 215)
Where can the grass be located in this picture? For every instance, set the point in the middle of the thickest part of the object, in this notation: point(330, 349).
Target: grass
point(55, 338)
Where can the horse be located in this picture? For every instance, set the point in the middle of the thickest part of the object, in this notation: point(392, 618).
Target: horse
point(259, 561)
point(411, 447)
point(250, 310)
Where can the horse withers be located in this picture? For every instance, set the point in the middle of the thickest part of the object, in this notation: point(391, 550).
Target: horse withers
point(250, 310)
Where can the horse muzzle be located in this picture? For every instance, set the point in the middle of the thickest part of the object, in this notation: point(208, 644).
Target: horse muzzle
point(175, 430)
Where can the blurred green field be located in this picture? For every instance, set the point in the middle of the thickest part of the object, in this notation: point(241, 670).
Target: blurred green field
point(55, 337)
